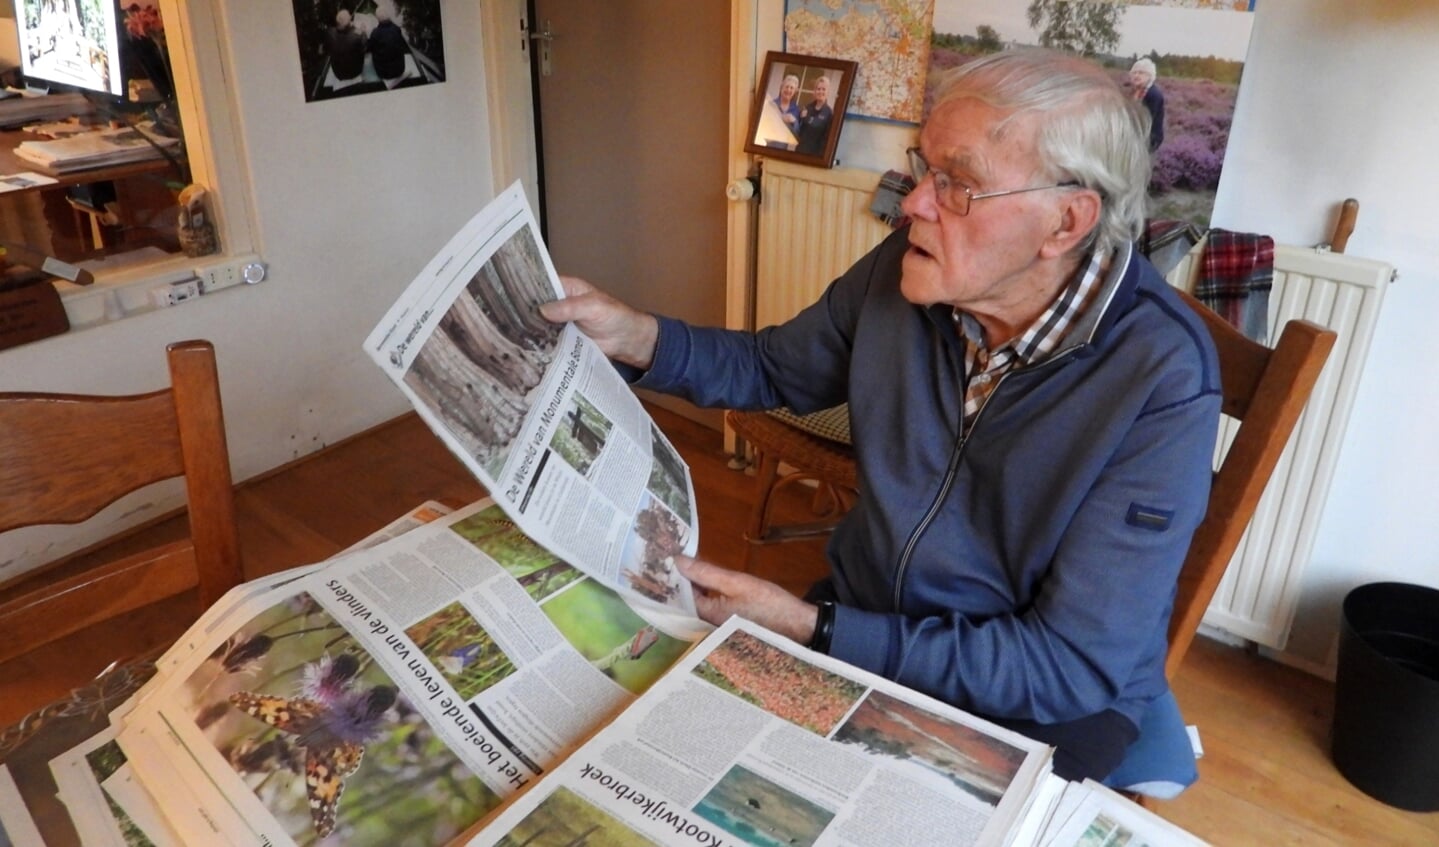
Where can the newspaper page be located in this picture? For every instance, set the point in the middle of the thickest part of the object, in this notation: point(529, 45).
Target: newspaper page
point(128, 796)
point(536, 411)
point(17, 826)
point(28, 796)
point(398, 694)
point(252, 594)
point(72, 729)
point(752, 739)
point(95, 783)
point(1089, 813)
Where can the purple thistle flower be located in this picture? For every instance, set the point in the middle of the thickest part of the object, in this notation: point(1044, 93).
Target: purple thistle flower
point(329, 679)
point(353, 718)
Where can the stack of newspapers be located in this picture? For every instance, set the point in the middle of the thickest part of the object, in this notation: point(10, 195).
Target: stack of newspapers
point(96, 149)
point(19, 107)
point(528, 670)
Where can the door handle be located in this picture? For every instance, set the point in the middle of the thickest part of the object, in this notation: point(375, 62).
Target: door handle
point(545, 37)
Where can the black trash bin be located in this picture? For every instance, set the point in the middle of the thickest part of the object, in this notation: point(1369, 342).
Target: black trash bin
point(1386, 694)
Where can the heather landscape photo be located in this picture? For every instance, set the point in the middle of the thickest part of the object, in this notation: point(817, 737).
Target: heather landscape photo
point(932, 749)
point(780, 683)
point(1197, 48)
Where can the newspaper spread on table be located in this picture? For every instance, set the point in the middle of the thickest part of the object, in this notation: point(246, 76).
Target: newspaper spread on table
point(124, 813)
point(536, 411)
point(752, 739)
point(395, 695)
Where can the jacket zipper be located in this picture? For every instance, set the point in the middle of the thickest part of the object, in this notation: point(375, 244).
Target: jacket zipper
point(952, 471)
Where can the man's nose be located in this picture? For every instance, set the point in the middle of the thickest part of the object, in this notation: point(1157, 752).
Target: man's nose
point(921, 201)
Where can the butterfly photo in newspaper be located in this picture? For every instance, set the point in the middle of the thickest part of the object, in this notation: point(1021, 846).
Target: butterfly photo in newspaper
point(332, 725)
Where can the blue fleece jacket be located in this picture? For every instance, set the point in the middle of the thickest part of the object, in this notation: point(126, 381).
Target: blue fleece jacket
point(1028, 570)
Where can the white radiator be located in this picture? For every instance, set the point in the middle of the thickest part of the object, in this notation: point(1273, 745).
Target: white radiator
point(813, 224)
point(1257, 598)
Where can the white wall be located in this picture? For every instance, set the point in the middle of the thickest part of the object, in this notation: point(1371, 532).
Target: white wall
point(1337, 101)
point(352, 197)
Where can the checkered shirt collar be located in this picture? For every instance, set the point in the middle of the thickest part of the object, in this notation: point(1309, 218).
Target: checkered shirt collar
point(1042, 337)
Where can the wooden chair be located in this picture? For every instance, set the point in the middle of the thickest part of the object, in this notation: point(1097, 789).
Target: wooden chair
point(829, 462)
point(64, 457)
point(1265, 390)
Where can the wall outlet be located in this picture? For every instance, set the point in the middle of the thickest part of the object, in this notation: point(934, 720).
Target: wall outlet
point(175, 292)
point(216, 277)
point(226, 272)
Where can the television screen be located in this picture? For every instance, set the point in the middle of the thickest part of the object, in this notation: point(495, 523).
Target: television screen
point(70, 44)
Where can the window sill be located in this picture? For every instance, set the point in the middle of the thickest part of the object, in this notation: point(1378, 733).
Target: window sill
point(129, 285)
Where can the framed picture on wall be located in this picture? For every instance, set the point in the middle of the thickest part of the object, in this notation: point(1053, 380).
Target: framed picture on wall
point(799, 106)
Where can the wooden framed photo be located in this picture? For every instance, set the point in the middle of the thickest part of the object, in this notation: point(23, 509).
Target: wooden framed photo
point(798, 108)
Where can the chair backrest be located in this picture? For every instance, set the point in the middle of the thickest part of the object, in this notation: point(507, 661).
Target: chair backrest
point(64, 457)
point(1265, 390)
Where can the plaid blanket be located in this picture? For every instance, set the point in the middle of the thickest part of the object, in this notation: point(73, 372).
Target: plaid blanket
point(893, 187)
point(1235, 277)
point(1166, 242)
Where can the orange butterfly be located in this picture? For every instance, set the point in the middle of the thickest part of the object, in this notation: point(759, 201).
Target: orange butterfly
point(333, 735)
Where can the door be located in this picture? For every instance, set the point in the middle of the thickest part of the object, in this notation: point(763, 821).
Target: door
point(633, 129)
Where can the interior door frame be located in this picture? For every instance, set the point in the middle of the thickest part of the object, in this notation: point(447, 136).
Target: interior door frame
point(509, 95)
point(514, 133)
point(514, 129)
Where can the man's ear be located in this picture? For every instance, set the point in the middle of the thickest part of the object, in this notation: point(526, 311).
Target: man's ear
point(1078, 216)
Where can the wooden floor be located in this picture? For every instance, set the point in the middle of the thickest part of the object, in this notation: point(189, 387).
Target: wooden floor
point(1265, 779)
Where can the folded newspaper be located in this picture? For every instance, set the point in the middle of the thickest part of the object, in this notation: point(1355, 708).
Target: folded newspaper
point(527, 670)
point(536, 411)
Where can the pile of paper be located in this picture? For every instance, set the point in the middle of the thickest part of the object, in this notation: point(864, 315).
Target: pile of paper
point(101, 148)
point(405, 693)
point(26, 107)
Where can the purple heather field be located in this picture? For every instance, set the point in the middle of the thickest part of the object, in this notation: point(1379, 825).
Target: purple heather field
point(1198, 112)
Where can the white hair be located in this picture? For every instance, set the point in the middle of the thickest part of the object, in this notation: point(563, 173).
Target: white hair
point(1088, 131)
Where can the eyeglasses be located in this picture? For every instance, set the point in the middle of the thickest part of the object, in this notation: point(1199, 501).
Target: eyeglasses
point(958, 198)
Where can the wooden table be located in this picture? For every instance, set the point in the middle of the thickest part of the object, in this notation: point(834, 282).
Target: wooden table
point(12, 164)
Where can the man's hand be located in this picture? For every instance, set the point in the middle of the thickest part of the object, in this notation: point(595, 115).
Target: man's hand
point(721, 592)
point(623, 333)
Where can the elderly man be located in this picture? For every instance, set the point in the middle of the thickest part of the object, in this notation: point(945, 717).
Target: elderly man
point(1034, 412)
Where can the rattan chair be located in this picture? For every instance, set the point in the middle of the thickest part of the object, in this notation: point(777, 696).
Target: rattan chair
point(789, 450)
